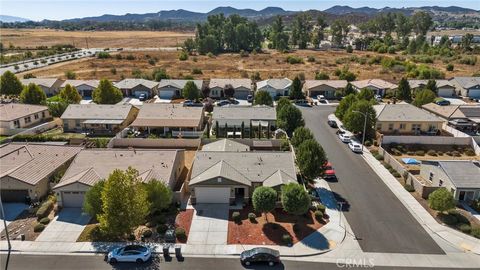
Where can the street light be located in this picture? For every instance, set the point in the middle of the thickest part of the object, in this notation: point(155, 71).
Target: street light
point(364, 126)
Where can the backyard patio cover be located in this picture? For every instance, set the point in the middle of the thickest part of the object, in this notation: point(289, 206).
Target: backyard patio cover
point(103, 121)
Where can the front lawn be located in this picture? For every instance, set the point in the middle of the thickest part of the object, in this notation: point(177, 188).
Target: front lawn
point(280, 223)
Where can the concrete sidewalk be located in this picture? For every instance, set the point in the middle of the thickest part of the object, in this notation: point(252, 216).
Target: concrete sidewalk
point(440, 233)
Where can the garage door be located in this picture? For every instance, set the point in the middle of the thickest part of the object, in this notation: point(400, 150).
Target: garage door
point(474, 93)
point(242, 94)
point(73, 198)
point(212, 194)
point(166, 94)
point(14, 195)
point(445, 92)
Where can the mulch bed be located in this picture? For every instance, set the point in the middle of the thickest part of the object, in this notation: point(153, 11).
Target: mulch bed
point(184, 220)
point(262, 232)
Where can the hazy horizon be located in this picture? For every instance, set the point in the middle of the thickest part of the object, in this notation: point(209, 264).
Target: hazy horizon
point(67, 9)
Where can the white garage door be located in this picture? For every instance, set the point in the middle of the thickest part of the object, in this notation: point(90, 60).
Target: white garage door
point(212, 194)
point(474, 93)
point(73, 198)
point(445, 92)
point(166, 94)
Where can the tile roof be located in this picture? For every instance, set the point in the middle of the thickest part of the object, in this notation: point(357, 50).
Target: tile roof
point(46, 82)
point(463, 173)
point(423, 83)
point(236, 83)
point(467, 82)
point(377, 83)
point(131, 83)
point(332, 83)
point(226, 145)
point(12, 111)
point(77, 83)
point(275, 83)
point(453, 111)
point(97, 111)
point(31, 163)
point(402, 113)
point(151, 164)
point(221, 169)
point(255, 166)
point(180, 84)
point(245, 113)
point(168, 115)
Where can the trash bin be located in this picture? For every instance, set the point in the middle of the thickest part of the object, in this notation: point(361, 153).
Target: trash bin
point(166, 252)
point(178, 252)
point(22, 237)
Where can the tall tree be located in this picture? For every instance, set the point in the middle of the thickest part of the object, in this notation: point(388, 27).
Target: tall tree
point(70, 94)
point(10, 84)
point(289, 118)
point(366, 94)
point(159, 195)
point(106, 93)
point(310, 159)
point(124, 203)
point(423, 97)
point(344, 105)
point(264, 199)
point(296, 92)
point(432, 86)
point(421, 22)
point(278, 37)
point(402, 26)
point(92, 203)
point(263, 98)
point(404, 91)
point(33, 94)
point(190, 91)
point(300, 135)
point(355, 121)
point(301, 30)
point(441, 200)
point(339, 29)
point(349, 90)
point(295, 199)
point(283, 101)
point(229, 91)
point(319, 31)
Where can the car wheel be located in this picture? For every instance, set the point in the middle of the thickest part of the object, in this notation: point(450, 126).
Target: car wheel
point(270, 263)
point(139, 261)
point(113, 260)
point(247, 263)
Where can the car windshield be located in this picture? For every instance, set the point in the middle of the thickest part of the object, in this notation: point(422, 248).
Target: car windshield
point(262, 250)
point(135, 247)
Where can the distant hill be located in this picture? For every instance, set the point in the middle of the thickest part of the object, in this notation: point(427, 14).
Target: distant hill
point(10, 19)
point(342, 10)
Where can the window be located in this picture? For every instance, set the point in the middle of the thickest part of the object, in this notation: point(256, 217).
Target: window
point(77, 123)
point(415, 127)
point(403, 126)
point(36, 116)
point(379, 126)
point(390, 126)
point(43, 114)
point(430, 177)
point(27, 119)
point(440, 182)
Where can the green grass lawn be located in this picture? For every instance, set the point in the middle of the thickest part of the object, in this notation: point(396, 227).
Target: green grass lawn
point(2, 138)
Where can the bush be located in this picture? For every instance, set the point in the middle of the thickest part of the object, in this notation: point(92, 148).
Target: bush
point(318, 215)
point(180, 233)
point(310, 59)
point(349, 49)
point(469, 152)
point(431, 153)
point(150, 224)
point(396, 174)
point(243, 53)
point(321, 208)
point(448, 219)
point(236, 217)
point(465, 228)
point(38, 227)
point(287, 239)
point(160, 219)
point(183, 56)
point(379, 157)
point(252, 217)
point(44, 209)
point(456, 153)
point(103, 55)
point(409, 188)
point(420, 153)
point(475, 232)
point(468, 60)
point(210, 55)
point(147, 233)
point(387, 166)
point(460, 218)
point(294, 60)
point(440, 153)
point(162, 228)
point(448, 153)
point(151, 62)
point(196, 71)
point(368, 143)
point(44, 221)
point(449, 67)
point(130, 57)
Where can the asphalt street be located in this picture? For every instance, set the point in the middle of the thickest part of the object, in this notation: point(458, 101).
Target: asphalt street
point(94, 262)
point(377, 217)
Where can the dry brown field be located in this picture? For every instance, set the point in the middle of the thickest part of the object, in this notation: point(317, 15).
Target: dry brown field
point(270, 64)
point(32, 38)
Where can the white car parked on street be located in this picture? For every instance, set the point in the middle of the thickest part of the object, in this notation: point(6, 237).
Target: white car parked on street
point(355, 146)
point(129, 253)
point(345, 137)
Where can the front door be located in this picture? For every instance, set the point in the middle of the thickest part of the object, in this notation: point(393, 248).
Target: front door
point(461, 196)
point(239, 192)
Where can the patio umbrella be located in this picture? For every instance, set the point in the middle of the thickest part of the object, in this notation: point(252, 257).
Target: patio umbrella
point(410, 161)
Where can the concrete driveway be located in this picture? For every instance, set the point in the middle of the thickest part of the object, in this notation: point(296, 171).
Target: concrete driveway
point(65, 227)
point(11, 210)
point(209, 225)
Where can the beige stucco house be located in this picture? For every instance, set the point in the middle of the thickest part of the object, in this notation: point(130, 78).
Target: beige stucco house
point(327, 88)
point(243, 87)
point(51, 86)
point(378, 86)
point(16, 117)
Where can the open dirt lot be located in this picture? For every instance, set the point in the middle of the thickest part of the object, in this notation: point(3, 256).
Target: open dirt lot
point(32, 38)
point(270, 64)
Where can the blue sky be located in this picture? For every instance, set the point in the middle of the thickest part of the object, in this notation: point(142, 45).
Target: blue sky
point(65, 9)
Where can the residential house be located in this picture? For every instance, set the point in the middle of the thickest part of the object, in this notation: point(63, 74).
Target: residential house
point(327, 88)
point(461, 177)
point(468, 86)
point(465, 118)
point(275, 87)
point(406, 119)
point(243, 87)
point(84, 87)
point(168, 89)
point(15, 117)
point(51, 86)
point(152, 165)
point(98, 119)
point(378, 86)
point(231, 119)
point(223, 145)
point(174, 119)
point(137, 87)
point(28, 168)
point(445, 88)
point(231, 176)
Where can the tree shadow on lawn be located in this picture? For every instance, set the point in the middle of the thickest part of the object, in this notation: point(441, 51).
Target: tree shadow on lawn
point(274, 232)
point(284, 217)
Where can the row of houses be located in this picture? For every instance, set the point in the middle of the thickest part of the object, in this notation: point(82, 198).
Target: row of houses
point(169, 88)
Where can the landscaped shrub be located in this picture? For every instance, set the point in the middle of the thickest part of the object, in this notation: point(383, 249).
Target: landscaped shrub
point(431, 153)
point(475, 232)
point(368, 143)
point(311, 59)
point(460, 218)
point(396, 174)
point(420, 153)
point(130, 57)
point(410, 153)
point(448, 153)
point(236, 217)
point(147, 233)
point(38, 227)
point(180, 233)
point(465, 228)
point(440, 153)
point(252, 217)
point(160, 219)
point(183, 56)
point(396, 152)
point(287, 239)
point(409, 188)
point(196, 71)
point(387, 166)
point(294, 60)
point(162, 228)
point(379, 157)
point(448, 219)
point(456, 153)
point(469, 152)
point(318, 215)
point(321, 208)
point(450, 67)
point(44, 209)
point(44, 221)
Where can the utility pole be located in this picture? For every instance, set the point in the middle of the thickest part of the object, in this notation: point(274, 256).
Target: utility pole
point(6, 232)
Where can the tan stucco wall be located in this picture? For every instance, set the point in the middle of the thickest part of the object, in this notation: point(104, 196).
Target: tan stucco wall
point(40, 189)
point(71, 187)
point(8, 128)
point(383, 127)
